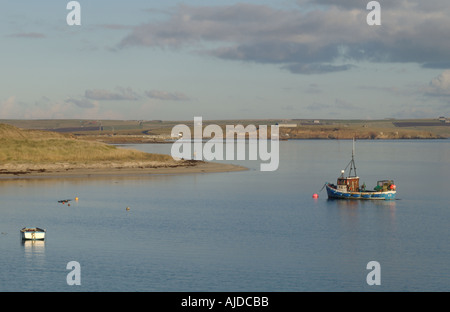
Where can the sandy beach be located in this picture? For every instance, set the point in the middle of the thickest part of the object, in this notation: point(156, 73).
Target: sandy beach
point(67, 170)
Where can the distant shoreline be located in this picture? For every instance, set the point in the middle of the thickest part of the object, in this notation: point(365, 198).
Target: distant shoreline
point(124, 140)
point(116, 170)
point(159, 131)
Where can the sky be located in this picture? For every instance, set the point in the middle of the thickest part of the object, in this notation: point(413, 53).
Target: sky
point(173, 60)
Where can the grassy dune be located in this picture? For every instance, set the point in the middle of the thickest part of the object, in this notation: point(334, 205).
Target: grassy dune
point(42, 147)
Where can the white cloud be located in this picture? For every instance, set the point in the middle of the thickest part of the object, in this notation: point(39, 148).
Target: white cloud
point(8, 108)
point(440, 85)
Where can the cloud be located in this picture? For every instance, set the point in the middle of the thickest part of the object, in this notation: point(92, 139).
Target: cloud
point(315, 106)
point(8, 108)
point(339, 104)
point(316, 37)
point(345, 105)
point(83, 102)
point(42, 108)
point(309, 69)
point(438, 65)
point(115, 26)
point(440, 85)
point(313, 88)
point(121, 94)
point(32, 35)
point(93, 97)
point(349, 4)
point(167, 96)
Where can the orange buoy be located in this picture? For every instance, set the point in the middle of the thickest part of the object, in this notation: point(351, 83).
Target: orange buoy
point(315, 195)
point(392, 186)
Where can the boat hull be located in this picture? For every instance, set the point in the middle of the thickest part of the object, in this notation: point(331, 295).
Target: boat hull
point(368, 195)
point(32, 234)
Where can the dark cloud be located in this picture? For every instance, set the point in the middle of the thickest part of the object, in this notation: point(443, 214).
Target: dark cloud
point(348, 4)
point(83, 102)
point(91, 96)
point(32, 35)
point(277, 52)
point(309, 69)
point(437, 65)
point(417, 5)
point(167, 96)
point(311, 39)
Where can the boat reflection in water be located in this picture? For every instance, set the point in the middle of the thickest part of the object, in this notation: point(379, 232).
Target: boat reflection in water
point(34, 246)
point(34, 252)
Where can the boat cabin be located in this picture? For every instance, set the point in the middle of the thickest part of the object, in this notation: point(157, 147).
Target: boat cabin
point(348, 184)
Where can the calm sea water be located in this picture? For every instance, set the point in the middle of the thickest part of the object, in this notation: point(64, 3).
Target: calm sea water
point(238, 231)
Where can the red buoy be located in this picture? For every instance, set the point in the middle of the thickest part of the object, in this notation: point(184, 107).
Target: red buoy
point(315, 195)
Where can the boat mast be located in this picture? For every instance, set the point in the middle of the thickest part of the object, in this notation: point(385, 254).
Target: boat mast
point(352, 162)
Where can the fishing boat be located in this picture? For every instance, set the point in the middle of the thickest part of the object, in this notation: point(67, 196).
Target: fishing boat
point(32, 233)
point(348, 187)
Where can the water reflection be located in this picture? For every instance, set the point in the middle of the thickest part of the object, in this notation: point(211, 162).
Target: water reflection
point(68, 181)
point(352, 204)
point(352, 208)
point(33, 248)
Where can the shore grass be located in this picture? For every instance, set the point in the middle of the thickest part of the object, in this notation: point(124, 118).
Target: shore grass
point(36, 147)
